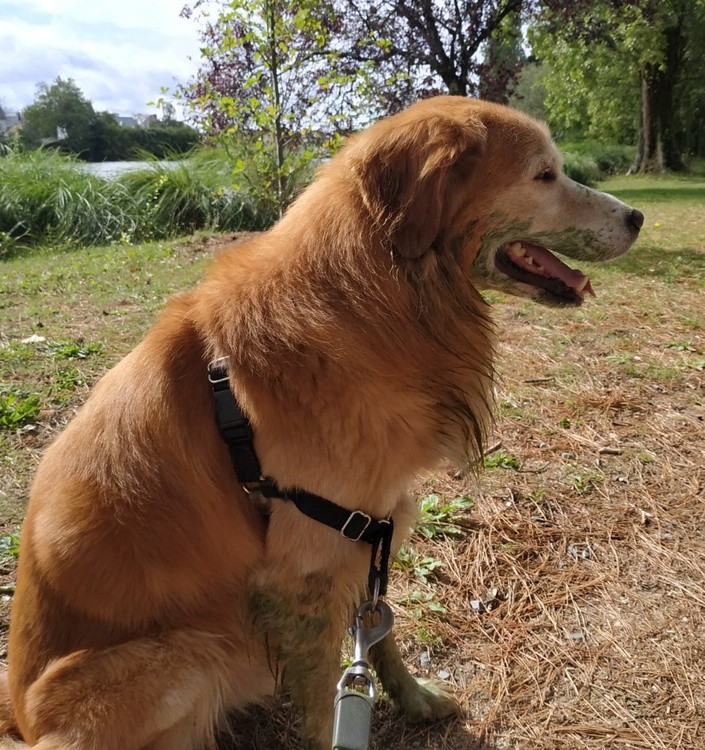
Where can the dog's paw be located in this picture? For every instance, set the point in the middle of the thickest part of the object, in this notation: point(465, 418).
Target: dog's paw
point(426, 700)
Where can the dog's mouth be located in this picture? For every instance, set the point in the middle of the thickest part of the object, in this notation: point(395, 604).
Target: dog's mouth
point(539, 267)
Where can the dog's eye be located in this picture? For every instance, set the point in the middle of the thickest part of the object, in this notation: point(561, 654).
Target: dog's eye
point(548, 175)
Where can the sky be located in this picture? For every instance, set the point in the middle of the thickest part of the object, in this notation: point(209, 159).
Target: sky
point(120, 53)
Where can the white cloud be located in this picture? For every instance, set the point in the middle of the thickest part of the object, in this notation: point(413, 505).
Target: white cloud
point(119, 54)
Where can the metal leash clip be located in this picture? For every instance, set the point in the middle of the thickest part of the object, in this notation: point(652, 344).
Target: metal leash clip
point(356, 689)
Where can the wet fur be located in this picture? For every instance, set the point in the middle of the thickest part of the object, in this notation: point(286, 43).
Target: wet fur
point(152, 598)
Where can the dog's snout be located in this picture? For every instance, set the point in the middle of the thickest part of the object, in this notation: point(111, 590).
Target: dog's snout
point(635, 219)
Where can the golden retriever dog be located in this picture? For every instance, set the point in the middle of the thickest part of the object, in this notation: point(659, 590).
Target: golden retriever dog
point(154, 595)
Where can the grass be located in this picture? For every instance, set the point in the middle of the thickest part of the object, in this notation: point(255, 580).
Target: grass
point(563, 594)
point(48, 199)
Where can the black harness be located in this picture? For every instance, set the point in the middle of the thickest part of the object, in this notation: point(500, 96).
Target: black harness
point(236, 431)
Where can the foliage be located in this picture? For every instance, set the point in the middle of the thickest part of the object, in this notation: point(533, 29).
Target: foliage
point(529, 92)
point(9, 545)
point(503, 460)
point(267, 85)
point(627, 72)
point(503, 59)
point(439, 517)
point(70, 349)
point(59, 109)
point(589, 89)
point(278, 78)
point(62, 116)
point(422, 566)
point(17, 409)
point(582, 169)
point(48, 198)
point(610, 158)
point(110, 141)
point(436, 45)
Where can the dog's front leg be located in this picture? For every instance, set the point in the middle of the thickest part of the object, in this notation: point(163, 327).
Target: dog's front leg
point(305, 625)
point(418, 699)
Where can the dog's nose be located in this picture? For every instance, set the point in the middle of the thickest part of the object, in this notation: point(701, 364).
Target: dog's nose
point(635, 218)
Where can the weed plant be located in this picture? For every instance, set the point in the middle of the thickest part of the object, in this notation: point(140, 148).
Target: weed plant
point(17, 409)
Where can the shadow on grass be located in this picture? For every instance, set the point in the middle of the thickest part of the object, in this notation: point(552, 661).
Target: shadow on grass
point(653, 261)
point(654, 193)
point(276, 729)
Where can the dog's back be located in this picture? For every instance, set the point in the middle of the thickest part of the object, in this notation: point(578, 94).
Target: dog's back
point(136, 522)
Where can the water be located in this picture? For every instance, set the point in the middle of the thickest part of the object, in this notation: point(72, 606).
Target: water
point(110, 169)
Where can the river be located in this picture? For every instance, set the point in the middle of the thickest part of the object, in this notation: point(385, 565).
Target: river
point(109, 169)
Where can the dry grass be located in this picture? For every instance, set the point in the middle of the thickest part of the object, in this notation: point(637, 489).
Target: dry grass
point(589, 553)
point(594, 544)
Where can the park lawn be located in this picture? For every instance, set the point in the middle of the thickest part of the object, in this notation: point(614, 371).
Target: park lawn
point(562, 593)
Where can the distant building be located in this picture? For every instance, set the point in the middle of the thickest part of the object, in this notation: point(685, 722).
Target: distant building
point(126, 122)
point(134, 121)
point(146, 121)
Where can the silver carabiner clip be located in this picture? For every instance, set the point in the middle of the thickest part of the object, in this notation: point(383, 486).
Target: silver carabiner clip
point(366, 637)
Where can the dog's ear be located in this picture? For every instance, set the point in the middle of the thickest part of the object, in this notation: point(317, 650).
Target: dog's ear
point(406, 173)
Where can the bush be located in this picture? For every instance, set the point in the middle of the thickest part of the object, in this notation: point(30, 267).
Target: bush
point(582, 169)
point(50, 198)
point(609, 158)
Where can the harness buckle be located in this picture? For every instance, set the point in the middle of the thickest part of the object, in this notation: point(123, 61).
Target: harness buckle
point(217, 371)
point(352, 518)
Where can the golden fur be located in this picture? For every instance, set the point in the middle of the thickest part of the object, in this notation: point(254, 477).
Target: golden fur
point(152, 596)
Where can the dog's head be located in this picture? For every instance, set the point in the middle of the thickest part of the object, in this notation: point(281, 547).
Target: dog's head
point(483, 185)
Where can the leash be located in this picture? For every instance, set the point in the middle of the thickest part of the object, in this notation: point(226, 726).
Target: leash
point(356, 691)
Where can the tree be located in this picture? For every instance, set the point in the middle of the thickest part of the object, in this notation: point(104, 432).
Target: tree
point(503, 58)
point(268, 82)
point(628, 69)
point(436, 45)
point(59, 110)
point(529, 93)
point(274, 73)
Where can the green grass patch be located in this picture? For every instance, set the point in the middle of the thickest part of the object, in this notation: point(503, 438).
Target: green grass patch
point(588, 162)
point(18, 410)
point(74, 349)
point(416, 563)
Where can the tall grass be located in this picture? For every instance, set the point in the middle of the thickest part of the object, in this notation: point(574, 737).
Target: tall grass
point(47, 198)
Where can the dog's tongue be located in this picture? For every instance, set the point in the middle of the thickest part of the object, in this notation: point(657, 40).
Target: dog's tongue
point(551, 266)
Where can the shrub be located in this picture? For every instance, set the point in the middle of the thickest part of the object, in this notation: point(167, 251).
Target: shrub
point(181, 197)
point(49, 198)
point(582, 169)
point(609, 158)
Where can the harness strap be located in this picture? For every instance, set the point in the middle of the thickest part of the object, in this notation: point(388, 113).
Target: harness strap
point(236, 431)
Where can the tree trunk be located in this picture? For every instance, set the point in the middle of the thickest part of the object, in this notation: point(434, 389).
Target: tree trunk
point(649, 152)
point(278, 130)
point(657, 150)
